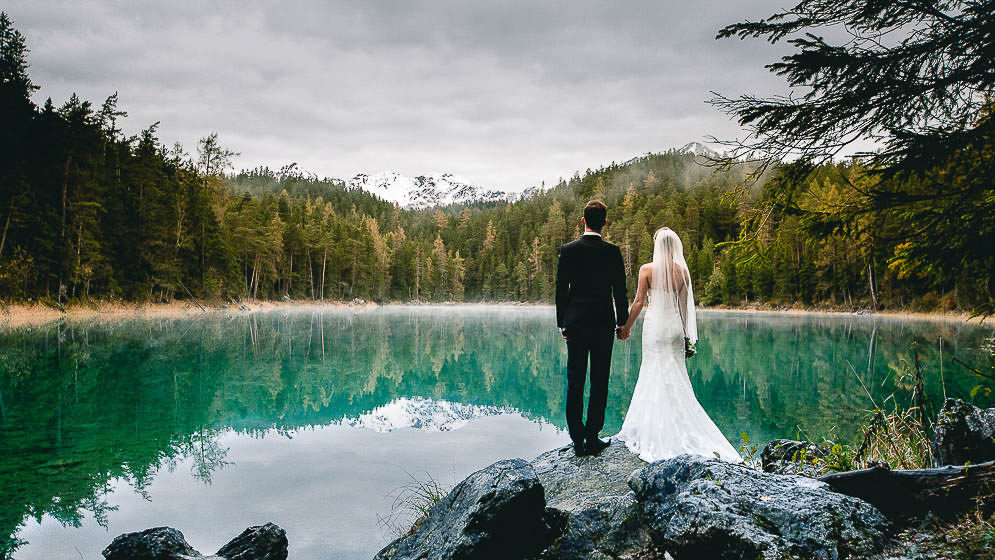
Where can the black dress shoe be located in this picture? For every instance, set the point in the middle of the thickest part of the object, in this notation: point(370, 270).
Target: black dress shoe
point(594, 446)
point(580, 450)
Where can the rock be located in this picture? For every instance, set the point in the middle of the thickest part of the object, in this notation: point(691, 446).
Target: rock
point(964, 434)
point(262, 542)
point(159, 543)
point(785, 456)
point(497, 512)
point(591, 503)
point(697, 507)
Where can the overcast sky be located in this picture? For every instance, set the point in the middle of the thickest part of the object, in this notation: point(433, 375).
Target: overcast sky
point(506, 94)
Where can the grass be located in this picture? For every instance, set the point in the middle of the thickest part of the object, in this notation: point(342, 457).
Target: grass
point(893, 435)
point(411, 505)
point(896, 433)
point(970, 537)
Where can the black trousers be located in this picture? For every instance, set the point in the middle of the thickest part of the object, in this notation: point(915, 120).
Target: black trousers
point(584, 344)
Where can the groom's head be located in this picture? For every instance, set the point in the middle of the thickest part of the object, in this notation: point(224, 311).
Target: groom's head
point(595, 215)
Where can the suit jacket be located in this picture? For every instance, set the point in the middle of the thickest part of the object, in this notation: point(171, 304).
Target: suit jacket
point(589, 275)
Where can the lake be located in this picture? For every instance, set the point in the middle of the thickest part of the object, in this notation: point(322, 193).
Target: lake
point(321, 419)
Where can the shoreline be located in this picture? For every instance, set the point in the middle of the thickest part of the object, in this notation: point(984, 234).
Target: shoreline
point(947, 316)
point(35, 314)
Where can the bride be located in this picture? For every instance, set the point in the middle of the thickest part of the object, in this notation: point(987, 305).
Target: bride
point(664, 418)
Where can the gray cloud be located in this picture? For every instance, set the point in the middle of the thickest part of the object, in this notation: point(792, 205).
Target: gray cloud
point(506, 94)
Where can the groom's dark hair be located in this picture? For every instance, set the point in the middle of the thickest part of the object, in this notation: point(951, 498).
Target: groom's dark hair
point(595, 215)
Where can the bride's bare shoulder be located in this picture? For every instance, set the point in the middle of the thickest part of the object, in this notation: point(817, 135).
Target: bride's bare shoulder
point(646, 273)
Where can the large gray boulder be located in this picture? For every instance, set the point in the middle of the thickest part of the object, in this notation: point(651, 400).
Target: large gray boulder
point(697, 507)
point(497, 512)
point(159, 543)
point(263, 542)
point(591, 503)
point(964, 434)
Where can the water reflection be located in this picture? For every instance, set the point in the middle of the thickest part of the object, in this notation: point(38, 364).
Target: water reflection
point(86, 408)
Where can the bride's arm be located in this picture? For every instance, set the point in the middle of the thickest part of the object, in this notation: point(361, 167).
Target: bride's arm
point(682, 295)
point(640, 300)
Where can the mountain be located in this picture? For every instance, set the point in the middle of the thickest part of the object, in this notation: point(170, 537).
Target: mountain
point(699, 149)
point(701, 152)
point(421, 414)
point(443, 189)
point(423, 191)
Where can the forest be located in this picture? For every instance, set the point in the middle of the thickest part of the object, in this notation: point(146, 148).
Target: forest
point(88, 213)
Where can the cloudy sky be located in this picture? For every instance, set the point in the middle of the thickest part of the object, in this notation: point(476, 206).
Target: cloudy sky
point(506, 94)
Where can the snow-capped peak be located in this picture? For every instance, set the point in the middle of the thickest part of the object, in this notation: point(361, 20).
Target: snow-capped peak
point(423, 191)
point(699, 149)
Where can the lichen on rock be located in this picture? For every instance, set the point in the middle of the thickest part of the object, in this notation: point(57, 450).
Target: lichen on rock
point(705, 507)
point(964, 434)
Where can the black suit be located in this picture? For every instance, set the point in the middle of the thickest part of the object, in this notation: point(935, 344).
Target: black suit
point(590, 274)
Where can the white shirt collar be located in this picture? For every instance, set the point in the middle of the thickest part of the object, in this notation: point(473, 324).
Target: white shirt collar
point(592, 233)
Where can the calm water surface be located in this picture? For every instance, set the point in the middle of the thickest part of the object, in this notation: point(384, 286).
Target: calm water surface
point(316, 419)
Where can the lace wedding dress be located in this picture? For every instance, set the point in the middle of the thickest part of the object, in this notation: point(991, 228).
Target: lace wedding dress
point(664, 418)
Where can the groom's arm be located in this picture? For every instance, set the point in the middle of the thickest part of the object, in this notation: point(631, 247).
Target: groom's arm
point(562, 288)
point(619, 291)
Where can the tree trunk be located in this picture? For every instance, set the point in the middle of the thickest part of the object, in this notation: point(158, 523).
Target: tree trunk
point(324, 260)
point(417, 274)
point(6, 225)
point(900, 494)
point(65, 189)
point(310, 272)
point(253, 278)
point(870, 281)
point(352, 278)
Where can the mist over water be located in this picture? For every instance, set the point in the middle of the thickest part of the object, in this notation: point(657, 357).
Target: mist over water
point(314, 418)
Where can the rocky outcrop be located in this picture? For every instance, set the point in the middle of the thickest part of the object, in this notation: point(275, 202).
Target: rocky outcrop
point(786, 456)
point(616, 507)
point(159, 543)
point(262, 542)
point(591, 504)
point(964, 434)
point(697, 507)
point(497, 512)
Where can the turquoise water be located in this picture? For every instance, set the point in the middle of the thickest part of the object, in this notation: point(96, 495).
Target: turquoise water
point(316, 419)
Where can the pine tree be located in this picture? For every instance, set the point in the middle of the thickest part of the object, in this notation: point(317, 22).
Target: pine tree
point(925, 96)
point(440, 280)
point(14, 80)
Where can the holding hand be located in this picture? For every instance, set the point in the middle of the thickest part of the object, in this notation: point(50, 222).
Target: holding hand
point(622, 332)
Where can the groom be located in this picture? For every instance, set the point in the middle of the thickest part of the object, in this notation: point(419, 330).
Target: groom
point(589, 275)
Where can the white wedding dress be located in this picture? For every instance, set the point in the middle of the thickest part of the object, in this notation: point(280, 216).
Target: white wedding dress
point(664, 418)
